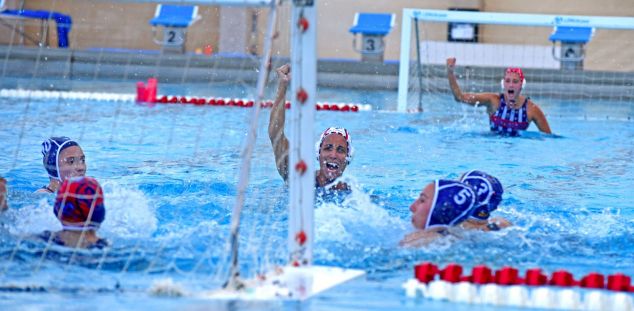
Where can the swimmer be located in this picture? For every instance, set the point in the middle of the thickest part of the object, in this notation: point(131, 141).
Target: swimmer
point(79, 207)
point(333, 150)
point(62, 158)
point(441, 204)
point(489, 191)
point(509, 112)
point(3, 195)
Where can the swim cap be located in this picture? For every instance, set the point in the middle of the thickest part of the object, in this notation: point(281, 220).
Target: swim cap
point(79, 204)
point(516, 70)
point(51, 148)
point(453, 203)
point(340, 131)
point(488, 190)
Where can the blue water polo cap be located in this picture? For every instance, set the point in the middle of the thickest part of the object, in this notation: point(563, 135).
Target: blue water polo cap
point(453, 203)
point(488, 191)
point(51, 148)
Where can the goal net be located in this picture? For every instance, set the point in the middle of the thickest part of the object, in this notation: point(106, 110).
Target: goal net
point(171, 166)
point(563, 57)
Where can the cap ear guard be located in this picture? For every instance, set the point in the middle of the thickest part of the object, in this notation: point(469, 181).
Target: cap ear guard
point(480, 213)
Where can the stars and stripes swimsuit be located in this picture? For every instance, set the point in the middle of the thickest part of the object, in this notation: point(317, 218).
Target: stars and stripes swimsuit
point(507, 120)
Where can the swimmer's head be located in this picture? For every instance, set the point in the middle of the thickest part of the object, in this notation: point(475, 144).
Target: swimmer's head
point(334, 151)
point(488, 191)
point(63, 158)
point(79, 204)
point(442, 203)
point(513, 82)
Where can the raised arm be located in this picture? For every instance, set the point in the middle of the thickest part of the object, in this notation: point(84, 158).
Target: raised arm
point(536, 115)
point(467, 98)
point(276, 122)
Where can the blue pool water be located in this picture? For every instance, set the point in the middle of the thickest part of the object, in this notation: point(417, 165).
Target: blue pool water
point(170, 173)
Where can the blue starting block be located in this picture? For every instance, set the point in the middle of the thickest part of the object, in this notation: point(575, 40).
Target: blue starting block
point(373, 27)
point(174, 19)
point(572, 41)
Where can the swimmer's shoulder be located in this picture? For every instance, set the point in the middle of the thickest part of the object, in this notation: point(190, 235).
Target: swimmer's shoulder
point(422, 238)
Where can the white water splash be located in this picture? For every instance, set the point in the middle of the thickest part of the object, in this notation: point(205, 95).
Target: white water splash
point(129, 213)
point(357, 218)
point(33, 219)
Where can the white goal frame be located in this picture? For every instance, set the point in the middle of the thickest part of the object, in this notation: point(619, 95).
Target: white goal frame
point(512, 19)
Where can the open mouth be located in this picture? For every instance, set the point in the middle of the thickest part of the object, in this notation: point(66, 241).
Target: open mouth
point(511, 92)
point(332, 166)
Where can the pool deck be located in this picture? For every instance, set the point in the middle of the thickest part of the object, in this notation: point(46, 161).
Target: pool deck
point(60, 69)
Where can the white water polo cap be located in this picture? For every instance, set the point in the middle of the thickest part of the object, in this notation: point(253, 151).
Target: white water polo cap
point(339, 131)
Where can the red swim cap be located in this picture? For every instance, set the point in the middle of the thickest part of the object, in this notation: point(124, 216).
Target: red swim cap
point(79, 204)
point(516, 70)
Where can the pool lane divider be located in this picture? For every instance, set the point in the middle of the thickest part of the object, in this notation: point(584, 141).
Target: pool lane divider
point(147, 93)
point(65, 95)
point(505, 287)
point(248, 103)
point(167, 99)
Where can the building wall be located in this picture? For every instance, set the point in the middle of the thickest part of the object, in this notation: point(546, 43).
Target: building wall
point(124, 25)
point(118, 25)
point(608, 50)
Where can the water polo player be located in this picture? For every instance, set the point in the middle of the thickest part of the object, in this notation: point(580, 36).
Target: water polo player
point(79, 207)
point(334, 148)
point(441, 204)
point(62, 158)
point(509, 112)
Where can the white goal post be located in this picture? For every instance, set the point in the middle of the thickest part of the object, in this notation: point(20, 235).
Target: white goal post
point(440, 16)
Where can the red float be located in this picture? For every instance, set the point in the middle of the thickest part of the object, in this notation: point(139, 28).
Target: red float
point(593, 280)
point(535, 277)
point(481, 275)
point(562, 278)
point(425, 272)
point(452, 273)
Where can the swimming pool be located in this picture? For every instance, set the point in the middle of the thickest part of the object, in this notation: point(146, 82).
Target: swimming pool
point(170, 173)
